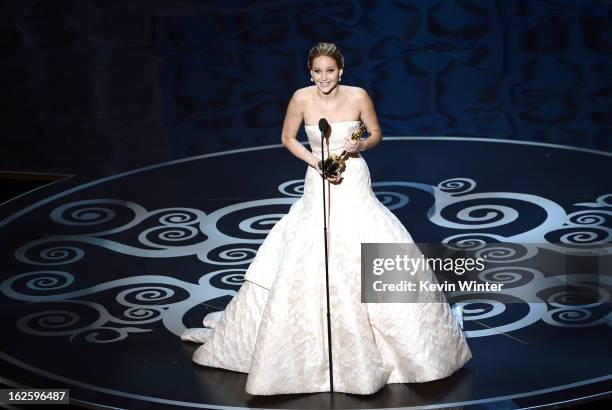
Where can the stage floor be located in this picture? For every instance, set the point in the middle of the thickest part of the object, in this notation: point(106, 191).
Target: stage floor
point(101, 277)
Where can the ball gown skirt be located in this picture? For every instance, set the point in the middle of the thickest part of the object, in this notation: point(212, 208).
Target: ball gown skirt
point(275, 327)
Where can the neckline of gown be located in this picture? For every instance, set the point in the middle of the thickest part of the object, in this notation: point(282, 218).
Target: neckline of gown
point(331, 122)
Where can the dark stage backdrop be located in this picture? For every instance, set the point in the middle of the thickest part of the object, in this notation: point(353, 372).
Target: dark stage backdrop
point(95, 87)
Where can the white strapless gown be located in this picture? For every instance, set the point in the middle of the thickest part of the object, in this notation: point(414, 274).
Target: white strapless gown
point(275, 327)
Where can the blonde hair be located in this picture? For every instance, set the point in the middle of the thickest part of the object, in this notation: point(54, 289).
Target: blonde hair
point(328, 50)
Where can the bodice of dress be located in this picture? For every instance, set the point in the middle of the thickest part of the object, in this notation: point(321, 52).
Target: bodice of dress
point(340, 130)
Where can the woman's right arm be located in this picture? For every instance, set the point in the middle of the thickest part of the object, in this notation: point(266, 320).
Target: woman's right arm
point(291, 126)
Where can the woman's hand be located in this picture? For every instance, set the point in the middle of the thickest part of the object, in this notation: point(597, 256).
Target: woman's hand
point(333, 180)
point(352, 146)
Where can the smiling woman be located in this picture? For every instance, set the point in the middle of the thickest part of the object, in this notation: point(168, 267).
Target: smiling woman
point(328, 67)
point(276, 328)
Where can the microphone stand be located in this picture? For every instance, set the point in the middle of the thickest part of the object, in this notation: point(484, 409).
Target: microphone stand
point(329, 344)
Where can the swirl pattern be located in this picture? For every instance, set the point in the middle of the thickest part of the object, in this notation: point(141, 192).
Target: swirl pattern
point(181, 232)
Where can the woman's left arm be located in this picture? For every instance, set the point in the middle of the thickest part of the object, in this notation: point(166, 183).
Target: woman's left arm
point(368, 117)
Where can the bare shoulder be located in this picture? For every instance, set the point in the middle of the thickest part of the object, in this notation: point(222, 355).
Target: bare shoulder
point(299, 100)
point(356, 96)
point(303, 94)
point(358, 93)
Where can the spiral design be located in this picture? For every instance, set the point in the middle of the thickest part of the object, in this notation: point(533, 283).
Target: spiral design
point(493, 308)
point(52, 280)
point(54, 319)
point(179, 218)
point(236, 254)
point(139, 313)
point(457, 186)
point(392, 200)
point(232, 256)
point(168, 234)
point(496, 253)
point(588, 218)
point(96, 335)
point(465, 243)
point(494, 213)
point(52, 323)
point(503, 275)
point(574, 298)
point(144, 294)
point(293, 188)
point(569, 316)
point(178, 226)
point(260, 224)
point(583, 237)
point(233, 279)
point(56, 255)
point(87, 216)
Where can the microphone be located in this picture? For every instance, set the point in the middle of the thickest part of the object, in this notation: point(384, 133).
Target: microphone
point(323, 126)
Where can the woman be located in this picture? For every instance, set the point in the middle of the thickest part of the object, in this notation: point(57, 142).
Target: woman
point(275, 328)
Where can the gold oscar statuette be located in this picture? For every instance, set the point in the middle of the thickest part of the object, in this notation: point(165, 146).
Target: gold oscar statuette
point(334, 165)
